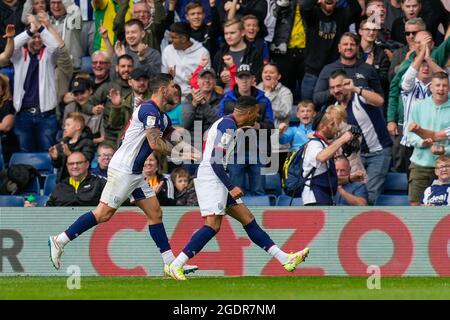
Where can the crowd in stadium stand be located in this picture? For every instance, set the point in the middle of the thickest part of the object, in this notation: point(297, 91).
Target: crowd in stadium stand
point(73, 71)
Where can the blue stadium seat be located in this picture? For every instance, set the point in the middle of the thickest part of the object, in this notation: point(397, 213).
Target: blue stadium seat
point(396, 183)
point(40, 160)
point(32, 187)
point(11, 201)
point(41, 200)
point(285, 200)
point(257, 200)
point(273, 184)
point(392, 200)
point(49, 184)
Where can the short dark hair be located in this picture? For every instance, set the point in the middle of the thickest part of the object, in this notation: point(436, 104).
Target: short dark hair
point(180, 28)
point(135, 22)
point(338, 73)
point(126, 57)
point(246, 102)
point(158, 81)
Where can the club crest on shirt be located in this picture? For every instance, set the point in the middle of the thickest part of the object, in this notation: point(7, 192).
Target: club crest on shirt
point(225, 140)
point(151, 120)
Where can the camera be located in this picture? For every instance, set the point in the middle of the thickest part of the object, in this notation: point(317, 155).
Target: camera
point(353, 145)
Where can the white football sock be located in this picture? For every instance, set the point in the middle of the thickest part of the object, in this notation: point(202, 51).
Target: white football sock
point(280, 255)
point(62, 239)
point(180, 260)
point(168, 256)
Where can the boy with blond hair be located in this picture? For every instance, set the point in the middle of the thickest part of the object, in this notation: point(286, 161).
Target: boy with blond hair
point(297, 136)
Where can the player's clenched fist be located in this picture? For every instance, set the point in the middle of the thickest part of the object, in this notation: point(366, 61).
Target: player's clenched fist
point(236, 193)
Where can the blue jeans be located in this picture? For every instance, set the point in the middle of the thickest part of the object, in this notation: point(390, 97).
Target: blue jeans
point(377, 165)
point(36, 132)
point(256, 181)
point(308, 84)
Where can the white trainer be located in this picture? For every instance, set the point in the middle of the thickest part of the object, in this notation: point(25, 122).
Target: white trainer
point(55, 252)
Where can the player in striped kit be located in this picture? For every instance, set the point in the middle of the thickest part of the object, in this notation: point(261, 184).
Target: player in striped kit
point(218, 196)
point(148, 129)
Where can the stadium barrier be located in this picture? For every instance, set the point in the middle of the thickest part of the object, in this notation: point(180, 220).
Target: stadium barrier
point(343, 241)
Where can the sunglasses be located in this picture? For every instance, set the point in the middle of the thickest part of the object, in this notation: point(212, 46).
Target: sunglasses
point(408, 33)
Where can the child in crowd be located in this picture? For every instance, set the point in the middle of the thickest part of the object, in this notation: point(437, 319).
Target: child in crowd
point(297, 136)
point(184, 188)
point(76, 137)
point(82, 90)
point(438, 193)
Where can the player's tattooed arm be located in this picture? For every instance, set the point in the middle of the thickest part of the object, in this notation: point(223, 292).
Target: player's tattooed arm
point(158, 143)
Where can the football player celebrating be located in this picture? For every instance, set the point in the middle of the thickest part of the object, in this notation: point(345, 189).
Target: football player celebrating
point(217, 195)
point(148, 129)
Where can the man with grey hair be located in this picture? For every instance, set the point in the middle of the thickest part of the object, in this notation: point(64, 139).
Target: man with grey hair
point(412, 27)
point(101, 63)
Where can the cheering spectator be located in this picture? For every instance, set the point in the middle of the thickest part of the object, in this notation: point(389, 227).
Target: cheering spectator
point(105, 12)
point(438, 193)
point(102, 103)
point(76, 137)
point(105, 151)
point(432, 113)
point(201, 105)
point(82, 91)
point(325, 25)
point(10, 32)
point(363, 107)
point(143, 56)
point(363, 74)
point(35, 97)
point(298, 136)
point(183, 56)
point(10, 13)
point(289, 43)
point(78, 189)
point(153, 24)
point(200, 30)
point(240, 52)
point(101, 64)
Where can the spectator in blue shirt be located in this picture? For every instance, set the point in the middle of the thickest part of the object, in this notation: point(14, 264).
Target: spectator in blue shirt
point(297, 136)
point(438, 193)
point(349, 193)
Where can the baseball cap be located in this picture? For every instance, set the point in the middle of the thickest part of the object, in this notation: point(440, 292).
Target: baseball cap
point(244, 69)
point(139, 73)
point(206, 70)
point(81, 85)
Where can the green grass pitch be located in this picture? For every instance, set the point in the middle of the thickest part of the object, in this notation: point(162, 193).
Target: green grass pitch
point(219, 288)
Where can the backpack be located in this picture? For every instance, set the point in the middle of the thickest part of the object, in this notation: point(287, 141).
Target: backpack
point(292, 179)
